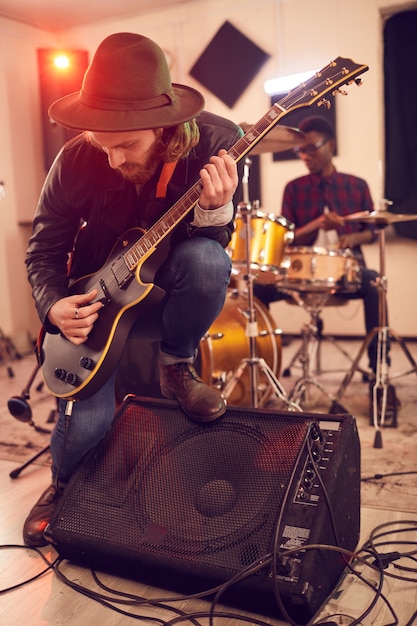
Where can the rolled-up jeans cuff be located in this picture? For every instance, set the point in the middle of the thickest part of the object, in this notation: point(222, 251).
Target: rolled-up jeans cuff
point(170, 359)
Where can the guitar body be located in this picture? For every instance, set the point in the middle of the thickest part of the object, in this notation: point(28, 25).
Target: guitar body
point(77, 372)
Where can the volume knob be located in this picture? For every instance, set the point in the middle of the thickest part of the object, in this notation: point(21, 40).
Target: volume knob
point(71, 379)
point(86, 363)
point(60, 373)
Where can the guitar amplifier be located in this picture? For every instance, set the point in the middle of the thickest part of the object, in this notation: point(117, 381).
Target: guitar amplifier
point(189, 506)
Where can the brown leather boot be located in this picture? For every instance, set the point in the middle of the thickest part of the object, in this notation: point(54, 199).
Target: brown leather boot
point(40, 516)
point(199, 401)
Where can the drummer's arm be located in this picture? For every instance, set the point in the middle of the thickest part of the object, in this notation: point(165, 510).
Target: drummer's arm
point(356, 239)
point(304, 235)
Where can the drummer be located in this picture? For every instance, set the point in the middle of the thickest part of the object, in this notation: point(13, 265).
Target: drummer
point(316, 204)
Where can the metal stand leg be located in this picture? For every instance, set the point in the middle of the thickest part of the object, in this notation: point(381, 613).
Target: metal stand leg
point(16, 472)
point(255, 364)
point(381, 387)
point(309, 357)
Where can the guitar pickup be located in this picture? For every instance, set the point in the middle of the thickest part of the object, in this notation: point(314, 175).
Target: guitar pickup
point(121, 272)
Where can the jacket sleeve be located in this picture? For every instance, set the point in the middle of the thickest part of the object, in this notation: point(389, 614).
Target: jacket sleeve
point(55, 226)
point(217, 133)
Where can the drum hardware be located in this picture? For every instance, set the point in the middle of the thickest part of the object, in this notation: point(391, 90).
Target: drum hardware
point(254, 363)
point(313, 275)
point(226, 343)
point(309, 351)
point(317, 323)
point(382, 387)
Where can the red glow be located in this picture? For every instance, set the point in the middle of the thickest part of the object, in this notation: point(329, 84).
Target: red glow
point(61, 61)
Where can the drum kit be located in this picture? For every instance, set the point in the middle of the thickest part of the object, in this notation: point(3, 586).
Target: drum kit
point(310, 275)
point(259, 252)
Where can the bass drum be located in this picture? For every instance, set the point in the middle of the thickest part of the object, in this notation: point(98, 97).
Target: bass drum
point(226, 344)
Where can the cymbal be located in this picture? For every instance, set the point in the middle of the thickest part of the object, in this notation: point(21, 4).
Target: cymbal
point(379, 218)
point(279, 139)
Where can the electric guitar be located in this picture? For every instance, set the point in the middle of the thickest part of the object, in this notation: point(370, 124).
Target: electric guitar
point(125, 284)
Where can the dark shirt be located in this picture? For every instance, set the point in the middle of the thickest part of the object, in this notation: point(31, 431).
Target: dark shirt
point(305, 198)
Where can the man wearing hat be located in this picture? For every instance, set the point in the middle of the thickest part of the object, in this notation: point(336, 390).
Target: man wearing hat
point(144, 143)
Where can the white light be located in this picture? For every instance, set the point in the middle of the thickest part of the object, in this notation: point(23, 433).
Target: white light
point(286, 83)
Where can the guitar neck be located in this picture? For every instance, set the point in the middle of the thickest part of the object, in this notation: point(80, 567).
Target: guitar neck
point(337, 73)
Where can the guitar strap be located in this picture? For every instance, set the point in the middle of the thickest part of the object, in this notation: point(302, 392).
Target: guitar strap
point(164, 178)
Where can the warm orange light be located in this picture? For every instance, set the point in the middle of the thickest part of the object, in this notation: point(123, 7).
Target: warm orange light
point(61, 61)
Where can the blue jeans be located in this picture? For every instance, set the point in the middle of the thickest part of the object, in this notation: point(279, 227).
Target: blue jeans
point(195, 277)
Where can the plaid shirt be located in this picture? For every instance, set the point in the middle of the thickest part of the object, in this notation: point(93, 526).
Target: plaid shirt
point(305, 198)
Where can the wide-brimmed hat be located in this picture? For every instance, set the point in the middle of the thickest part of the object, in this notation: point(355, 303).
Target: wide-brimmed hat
point(127, 87)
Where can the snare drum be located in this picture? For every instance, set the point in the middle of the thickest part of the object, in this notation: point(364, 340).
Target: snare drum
point(269, 235)
point(315, 269)
point(226, 344)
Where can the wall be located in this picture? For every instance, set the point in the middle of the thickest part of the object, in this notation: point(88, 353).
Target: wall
point(299, 35)
point(21, 167)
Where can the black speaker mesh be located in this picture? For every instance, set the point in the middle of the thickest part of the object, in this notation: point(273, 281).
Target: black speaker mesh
point(185, 491)
point(188, 506)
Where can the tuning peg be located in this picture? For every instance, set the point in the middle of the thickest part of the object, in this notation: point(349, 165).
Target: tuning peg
point(357, 81)
point(324, 102)
point(342, 92)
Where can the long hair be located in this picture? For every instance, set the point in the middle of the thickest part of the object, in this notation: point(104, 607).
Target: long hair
point(173, 143)
point(177, 142)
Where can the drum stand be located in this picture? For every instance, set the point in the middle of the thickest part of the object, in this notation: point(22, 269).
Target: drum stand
point(381, 385)
point(312, 301)
point(316, 324)
point(254, 363)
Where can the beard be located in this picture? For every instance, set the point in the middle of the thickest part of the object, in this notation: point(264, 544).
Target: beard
point(137, 173)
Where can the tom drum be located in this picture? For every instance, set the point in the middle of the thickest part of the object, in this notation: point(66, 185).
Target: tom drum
point(269, 236)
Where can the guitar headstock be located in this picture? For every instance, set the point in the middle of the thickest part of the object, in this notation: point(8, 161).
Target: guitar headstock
point(328, 80)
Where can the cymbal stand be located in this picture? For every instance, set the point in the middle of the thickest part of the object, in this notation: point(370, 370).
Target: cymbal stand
point(383, 332)
point(254, 363)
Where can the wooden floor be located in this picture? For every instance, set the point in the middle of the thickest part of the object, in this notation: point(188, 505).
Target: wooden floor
point(47, 600)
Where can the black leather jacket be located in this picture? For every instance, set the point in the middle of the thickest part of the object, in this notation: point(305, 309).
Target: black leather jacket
point(85, 207)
